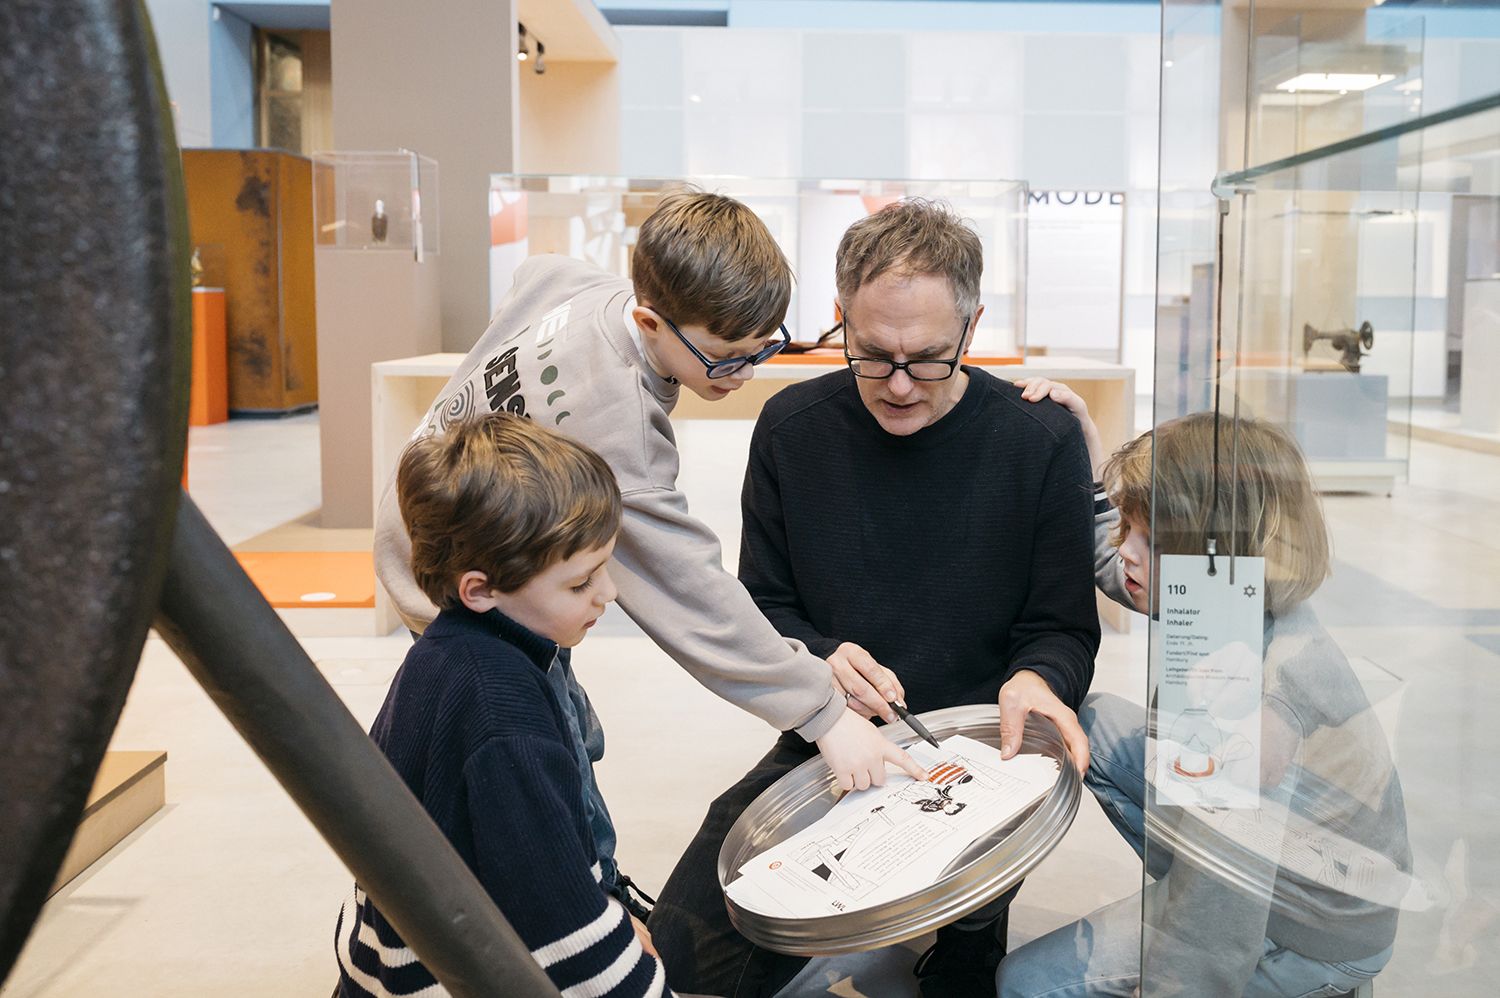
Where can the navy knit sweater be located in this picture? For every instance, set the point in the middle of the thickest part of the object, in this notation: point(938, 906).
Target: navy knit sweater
point(477, 733)
point(956, 556)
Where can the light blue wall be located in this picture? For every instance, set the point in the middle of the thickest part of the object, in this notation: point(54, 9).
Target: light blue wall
point(1060, 111)
point(182, 41)
point(232, 57)
point(288, 15)
point(898, 15)
point(945, 15)
point(207, 55)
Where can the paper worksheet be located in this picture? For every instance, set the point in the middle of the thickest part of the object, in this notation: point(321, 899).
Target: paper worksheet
point(880, 844)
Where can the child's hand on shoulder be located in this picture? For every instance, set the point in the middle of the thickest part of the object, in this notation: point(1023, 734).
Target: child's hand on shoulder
point(1036, 389)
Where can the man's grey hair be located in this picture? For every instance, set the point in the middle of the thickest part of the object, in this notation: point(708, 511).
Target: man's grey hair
point(910, 238)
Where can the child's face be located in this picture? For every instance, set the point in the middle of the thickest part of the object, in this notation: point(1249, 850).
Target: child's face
point(563, 600)
point(1135, 555)
point(676, 359)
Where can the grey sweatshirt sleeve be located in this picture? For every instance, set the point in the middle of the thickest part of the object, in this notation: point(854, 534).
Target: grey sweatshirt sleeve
point(1109, 574)
point(669, 570)
point(393, 564)
point(670, 573)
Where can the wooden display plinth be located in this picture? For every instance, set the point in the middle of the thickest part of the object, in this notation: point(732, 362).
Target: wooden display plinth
point(129, 788)
point(373, 305)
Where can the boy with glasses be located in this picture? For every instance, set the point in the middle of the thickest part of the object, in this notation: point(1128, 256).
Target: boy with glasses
point(602, 359)
point(929, 533)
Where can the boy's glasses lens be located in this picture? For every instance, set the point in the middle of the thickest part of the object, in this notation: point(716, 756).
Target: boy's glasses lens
point(724, 369)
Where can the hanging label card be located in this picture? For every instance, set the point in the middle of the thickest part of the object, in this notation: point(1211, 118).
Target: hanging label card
point(1209, 643)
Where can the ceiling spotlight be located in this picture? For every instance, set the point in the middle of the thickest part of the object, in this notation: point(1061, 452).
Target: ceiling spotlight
point(539, 65)
point(521, 53)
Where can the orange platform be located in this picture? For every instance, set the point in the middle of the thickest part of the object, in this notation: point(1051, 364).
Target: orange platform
point(312, 579)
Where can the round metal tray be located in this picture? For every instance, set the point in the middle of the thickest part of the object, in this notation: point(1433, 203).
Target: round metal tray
point(993, 864)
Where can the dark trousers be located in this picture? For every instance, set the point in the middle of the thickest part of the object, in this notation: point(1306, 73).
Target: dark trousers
point(690, 924)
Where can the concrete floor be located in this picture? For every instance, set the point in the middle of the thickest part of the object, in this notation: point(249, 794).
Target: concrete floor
point(229, 890)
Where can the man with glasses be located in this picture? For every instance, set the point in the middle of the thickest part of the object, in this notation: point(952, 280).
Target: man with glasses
point(918, 524)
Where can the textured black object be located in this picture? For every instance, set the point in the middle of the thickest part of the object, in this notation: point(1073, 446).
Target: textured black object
point(239, 650)
point(93, 407)
point(94, 352)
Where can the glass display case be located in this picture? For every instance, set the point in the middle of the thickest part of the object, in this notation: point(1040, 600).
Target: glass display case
point(597, 219)
point(376, 201)
point(1305, 775)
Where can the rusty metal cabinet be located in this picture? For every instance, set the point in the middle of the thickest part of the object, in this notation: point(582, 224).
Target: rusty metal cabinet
point(256, 205)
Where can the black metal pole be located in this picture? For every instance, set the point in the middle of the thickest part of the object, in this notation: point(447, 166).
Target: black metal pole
point(94, 357)
point(94, 328)
point(250, 664)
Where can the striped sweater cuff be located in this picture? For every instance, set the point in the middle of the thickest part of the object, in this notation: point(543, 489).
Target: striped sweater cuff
point(1102, 504)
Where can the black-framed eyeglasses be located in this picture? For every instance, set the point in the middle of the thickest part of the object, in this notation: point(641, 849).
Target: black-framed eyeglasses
point(729, 365)
point(917, 370)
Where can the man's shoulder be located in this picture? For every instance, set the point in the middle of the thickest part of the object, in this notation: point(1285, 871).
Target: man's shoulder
point(1047, 421)
point(815, 398)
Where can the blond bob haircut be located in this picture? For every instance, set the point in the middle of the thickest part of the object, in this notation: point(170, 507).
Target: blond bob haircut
point(1263, 483)
point(501, 495)
point(705, 259)
point(910, 238)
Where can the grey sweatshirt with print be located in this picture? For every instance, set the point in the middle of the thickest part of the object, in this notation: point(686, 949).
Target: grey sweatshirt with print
point(558, 351)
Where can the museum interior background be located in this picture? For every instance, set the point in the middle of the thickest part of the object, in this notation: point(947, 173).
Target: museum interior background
point(1174, 198)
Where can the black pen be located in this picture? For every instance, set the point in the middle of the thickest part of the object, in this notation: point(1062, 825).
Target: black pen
point(915, 724)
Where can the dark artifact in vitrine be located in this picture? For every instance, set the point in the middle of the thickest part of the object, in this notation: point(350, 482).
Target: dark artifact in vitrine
point(379, 222)
point(1347, 341)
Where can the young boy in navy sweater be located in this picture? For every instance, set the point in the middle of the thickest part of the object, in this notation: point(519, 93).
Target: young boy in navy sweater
point(512, 526)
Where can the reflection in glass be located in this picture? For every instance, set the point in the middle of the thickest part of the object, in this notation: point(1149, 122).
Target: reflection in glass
point(1302, 891)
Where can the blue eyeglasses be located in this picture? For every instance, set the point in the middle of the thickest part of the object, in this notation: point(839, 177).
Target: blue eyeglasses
point(724, 368)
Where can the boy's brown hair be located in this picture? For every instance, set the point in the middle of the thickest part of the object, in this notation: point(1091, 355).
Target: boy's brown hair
point(1264, 486)
point(706, 259)
point(501, 495)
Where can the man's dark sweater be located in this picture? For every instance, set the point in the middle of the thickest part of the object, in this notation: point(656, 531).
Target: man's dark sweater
point(956, 556)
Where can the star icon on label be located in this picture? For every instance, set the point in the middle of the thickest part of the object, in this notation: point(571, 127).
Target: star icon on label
point(1249, 590)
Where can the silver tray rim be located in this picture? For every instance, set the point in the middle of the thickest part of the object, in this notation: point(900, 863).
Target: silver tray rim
point(971, 882)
